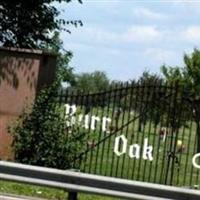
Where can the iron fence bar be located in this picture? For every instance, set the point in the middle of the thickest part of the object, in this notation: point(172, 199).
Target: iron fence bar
point(116, 89)
point(95, 159)
point(120, 120)
point(170, 153)
point(114, 127)
point(149, 128)
point(165, 153)
point(192, 168)
point(145, 97)
point(117, 120)
point(137, 137)
point(187, 156)
point(133, 127)
point(161, 106)
point(92, 142)
point(123, 113)
point(179, 109)
point(86, 104)
point(71, 127)
point(81, 100)
point(104, 134)
point(166, 138)
point(180, 156)
point(186, 116)
point(127, 128)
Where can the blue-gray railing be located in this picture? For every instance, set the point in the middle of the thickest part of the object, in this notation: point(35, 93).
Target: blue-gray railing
point(77, 182)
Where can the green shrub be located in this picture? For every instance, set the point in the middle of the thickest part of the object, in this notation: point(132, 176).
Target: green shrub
point(40, 137)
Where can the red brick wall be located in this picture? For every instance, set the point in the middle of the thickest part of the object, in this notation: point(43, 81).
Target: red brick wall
point(22, 74)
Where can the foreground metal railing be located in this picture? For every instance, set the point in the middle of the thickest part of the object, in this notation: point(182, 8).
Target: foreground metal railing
point(75, 182)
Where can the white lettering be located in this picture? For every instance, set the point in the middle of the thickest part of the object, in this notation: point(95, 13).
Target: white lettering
point(87, 121)
point(147, 151)
point(134, 151)
point(105, 122)
point(194, 162)
point(93, 122)
point(120, 147)
point(69, 114)
point(70, 110)
point(120, 143)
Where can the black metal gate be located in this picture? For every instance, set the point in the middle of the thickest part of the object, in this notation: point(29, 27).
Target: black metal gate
point(135, 131)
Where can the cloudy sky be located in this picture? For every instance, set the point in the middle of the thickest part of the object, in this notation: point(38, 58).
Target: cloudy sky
point(126, 37)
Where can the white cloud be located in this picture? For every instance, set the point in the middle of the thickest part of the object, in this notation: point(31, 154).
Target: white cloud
point(147, 13)
point(89, 47)
point(142, 34)
point(192, 34)
point(186, 2)
point(101, 35)
point(134, 34)
point(160, 55)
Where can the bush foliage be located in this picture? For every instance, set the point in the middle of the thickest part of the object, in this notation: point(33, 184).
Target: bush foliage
point(40, 137)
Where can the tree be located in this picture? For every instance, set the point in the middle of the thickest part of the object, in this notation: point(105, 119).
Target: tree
point(28, 23)
point(189, 77)
point(189, 74)
point(148, 78)
point(149, 97)
point(64, 71)
point(92, 82)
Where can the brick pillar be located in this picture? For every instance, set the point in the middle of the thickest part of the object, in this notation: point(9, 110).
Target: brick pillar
point(22, 74)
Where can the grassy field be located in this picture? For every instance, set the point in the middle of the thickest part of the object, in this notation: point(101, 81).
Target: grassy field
point(169, 166)
point(42, 192)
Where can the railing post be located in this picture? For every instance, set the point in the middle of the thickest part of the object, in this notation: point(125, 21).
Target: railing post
point(72, 196)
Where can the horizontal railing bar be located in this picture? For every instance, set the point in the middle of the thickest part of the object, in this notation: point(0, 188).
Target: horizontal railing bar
point(75, 188)
point(75, 94)
point(81, 182)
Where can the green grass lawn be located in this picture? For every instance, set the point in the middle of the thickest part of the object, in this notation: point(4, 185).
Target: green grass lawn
point(102, 160)
point(42, 192)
